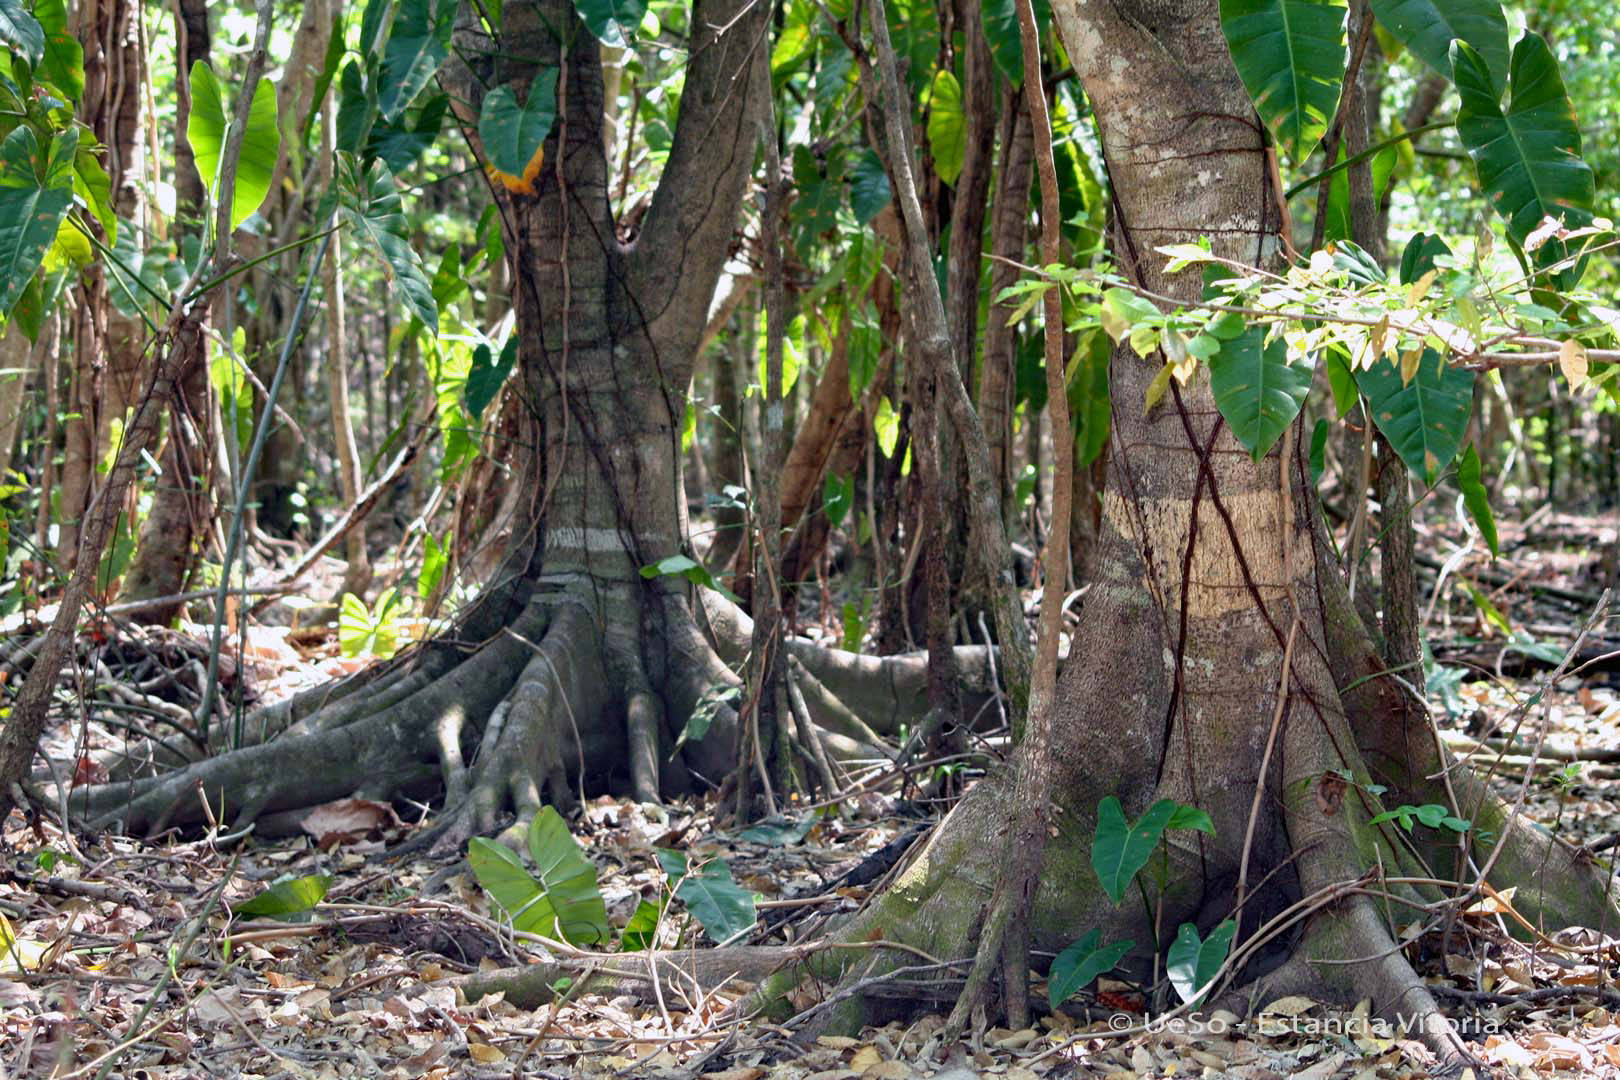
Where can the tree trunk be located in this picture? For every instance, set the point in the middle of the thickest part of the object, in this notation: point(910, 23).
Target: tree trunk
point(16, 366)
point(1216, 636)
point(572, 661)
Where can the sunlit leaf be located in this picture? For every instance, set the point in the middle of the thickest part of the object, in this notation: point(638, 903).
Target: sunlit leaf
point(1424, 420)
point(514, 136)
point(947, 126)
point(1290, 55)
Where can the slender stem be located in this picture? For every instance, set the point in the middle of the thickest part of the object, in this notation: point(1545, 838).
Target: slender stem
point(1433, 125)
point(260, 435)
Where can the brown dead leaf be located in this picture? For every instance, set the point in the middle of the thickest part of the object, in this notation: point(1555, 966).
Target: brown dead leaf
point(865, 1058)
point(1330, 793)
point(485, 1054)
point(348, 820)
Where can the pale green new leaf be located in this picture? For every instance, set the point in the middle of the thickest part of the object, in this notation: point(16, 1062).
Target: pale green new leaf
point(1290, 55)
point(947, 126)
point(569, 880)
point(206, 131)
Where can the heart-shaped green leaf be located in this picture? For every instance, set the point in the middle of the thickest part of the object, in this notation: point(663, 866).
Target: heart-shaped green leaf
point(1192, 963)
point(1428, 27)
point(1119, 849)
point(1424, 420)
point(31, 210)
point(418, 46)
point(1257, 389)
point(1079, 964)
point(1528, 157)
point(514, 134)
point(568, 878)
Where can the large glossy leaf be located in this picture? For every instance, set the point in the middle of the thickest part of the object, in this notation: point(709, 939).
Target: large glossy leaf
point(400, 143)
point(62, 64)
point(947, 126)
point(418, 45)
point(371, 208)
point(514, 135)
point(568, 878)
point(206, 131)
point(1428, 27)
point(1423, 420)
point(34, 197)
point(503, 877)
point(1076, 967)
point(1528, 157)
point(1192, 963)
point(1120, 849)
point(613, 22)
point(1290, 55)
point(21, 31)
point(1257, 389)
point(868, 186)
point(722, 907)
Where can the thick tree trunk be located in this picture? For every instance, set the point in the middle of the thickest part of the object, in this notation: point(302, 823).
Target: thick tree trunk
point(1215, 640)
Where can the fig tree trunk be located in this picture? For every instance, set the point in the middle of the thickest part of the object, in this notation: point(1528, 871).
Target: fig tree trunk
point(1219, 662)
point(573, 660)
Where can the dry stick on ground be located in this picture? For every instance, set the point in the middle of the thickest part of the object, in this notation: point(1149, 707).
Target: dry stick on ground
point(176, 342)
point(1005, 939)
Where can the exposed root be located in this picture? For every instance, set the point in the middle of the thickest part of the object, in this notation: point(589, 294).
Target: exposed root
point(534, 736)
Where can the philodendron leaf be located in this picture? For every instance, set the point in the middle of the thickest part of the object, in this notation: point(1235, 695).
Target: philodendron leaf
point(1290, 55)
point(947, 126)
point(1192, 963)
point(514, 135)
point(418, 45)
point(1475, 497)
point(1425, 419)
point(722, 907)
point(503, 877)
point(294, 896)
point(207, 132)
point(33, 202)
point(1079, 964)
point(21, 32)
point(612, 21)
point(1428, 27)
point(569, 880)
point(1528, 157)
point(1119, 849)
point(486, 375)
point(1256, 389)
point(371, 208)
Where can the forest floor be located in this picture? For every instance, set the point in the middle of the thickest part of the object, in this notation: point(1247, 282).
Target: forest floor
point(124, 958)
